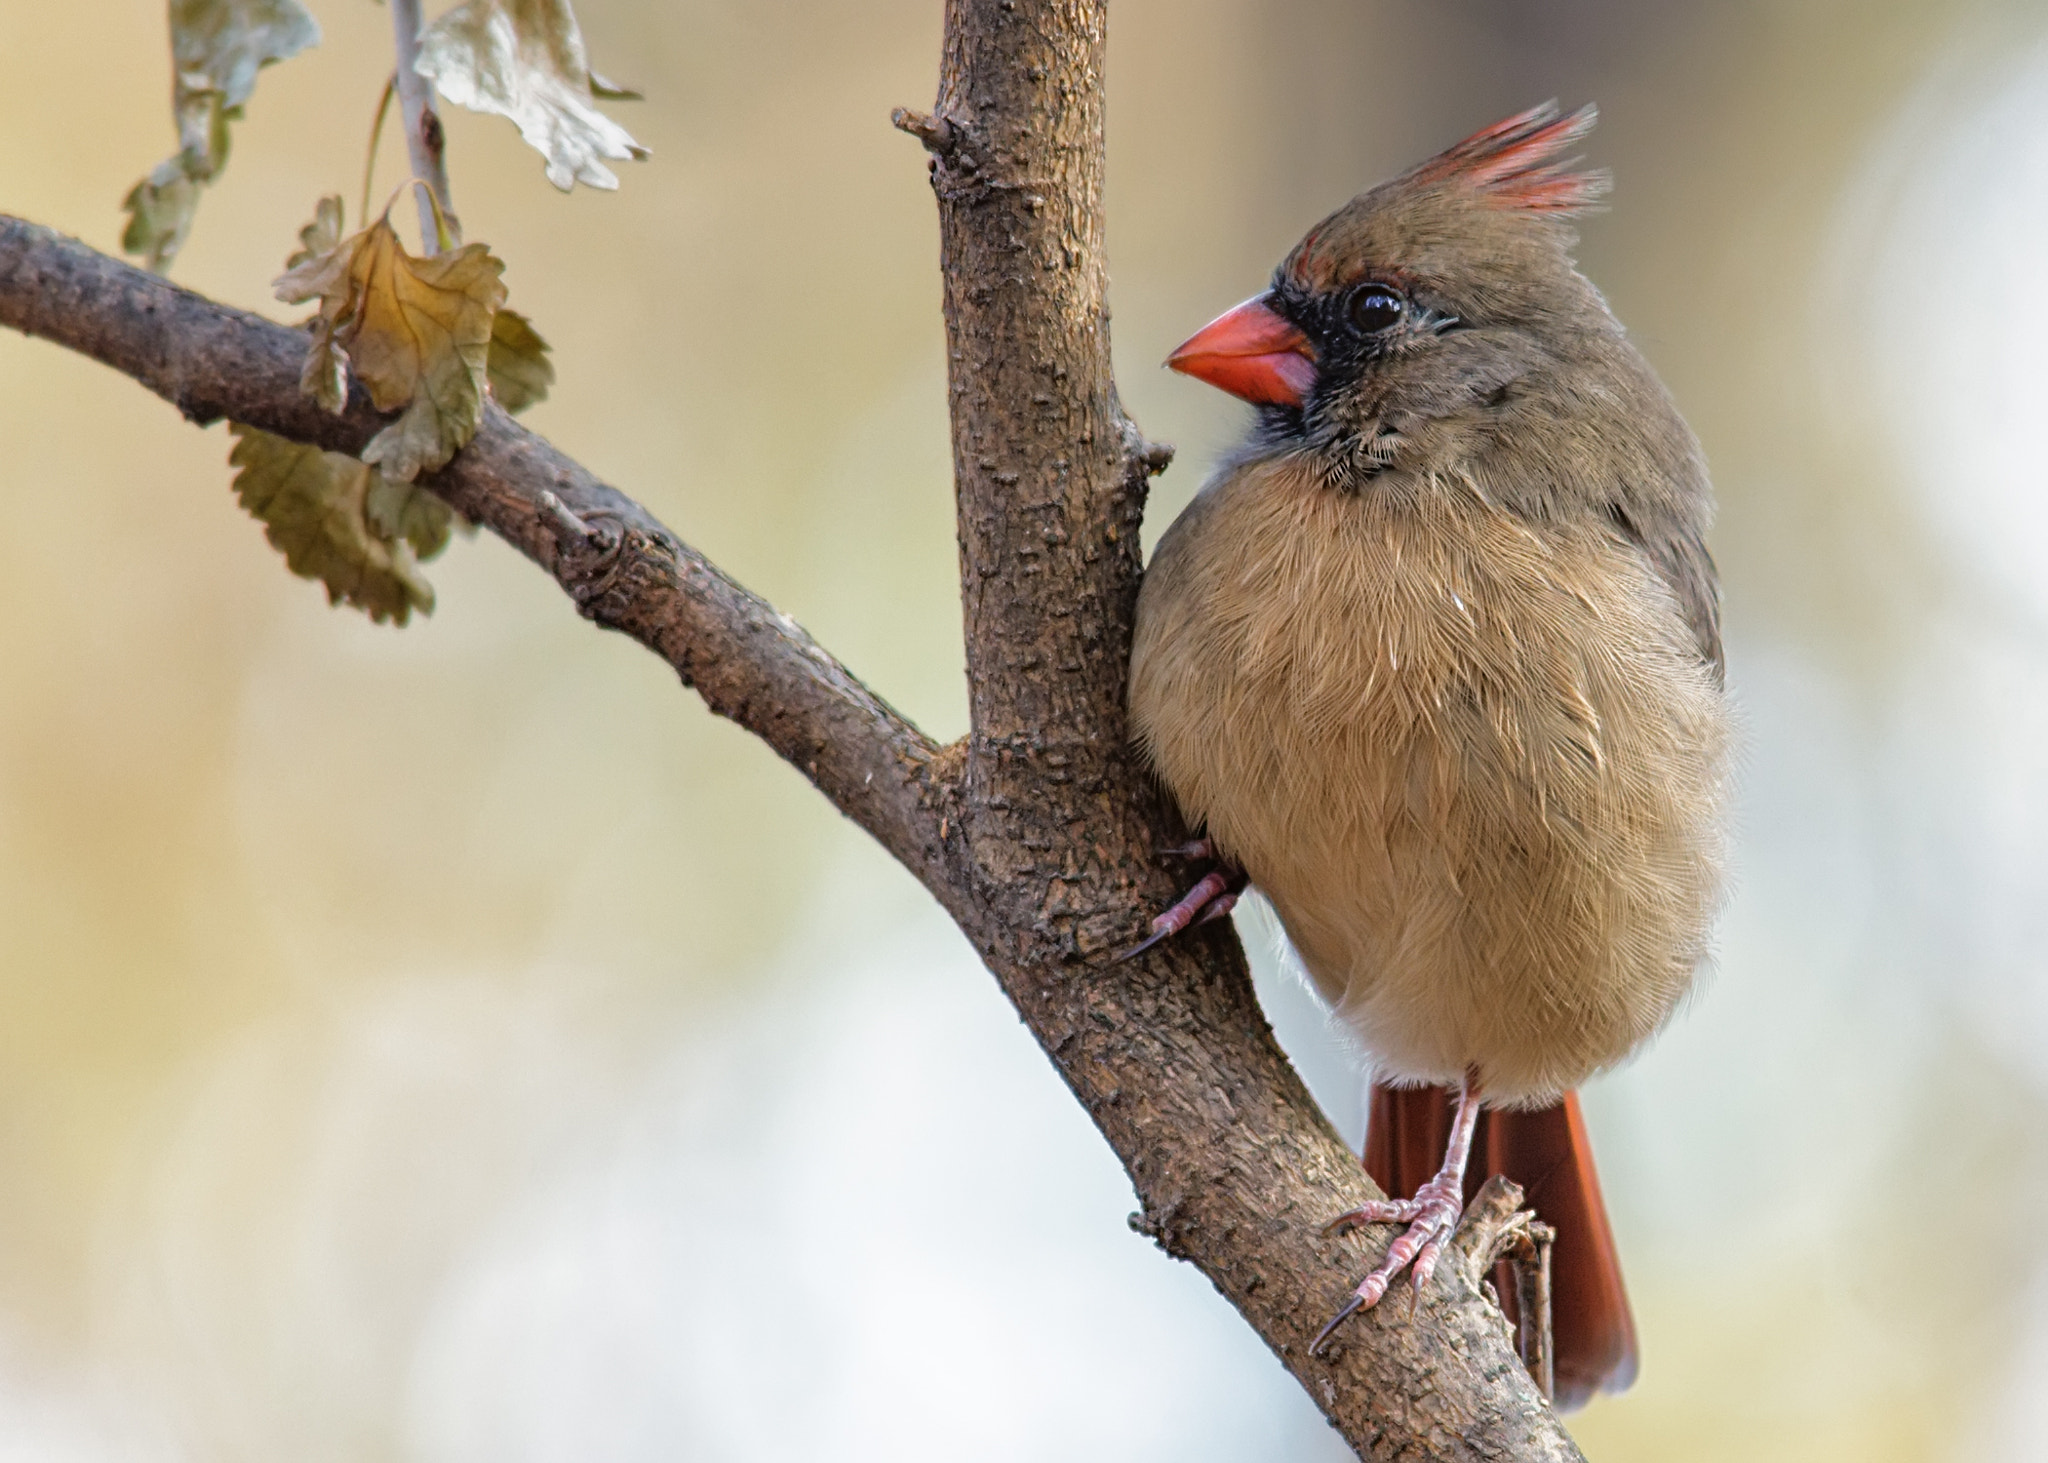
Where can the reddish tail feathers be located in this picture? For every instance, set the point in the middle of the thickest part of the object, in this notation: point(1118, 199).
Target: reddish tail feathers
point(1548, 1154)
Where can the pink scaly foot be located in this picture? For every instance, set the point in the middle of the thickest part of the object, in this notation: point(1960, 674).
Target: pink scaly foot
point(1213, 897)
point(1431, 1216)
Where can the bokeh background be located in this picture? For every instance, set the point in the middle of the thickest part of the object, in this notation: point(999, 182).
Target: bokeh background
point(453, 1045)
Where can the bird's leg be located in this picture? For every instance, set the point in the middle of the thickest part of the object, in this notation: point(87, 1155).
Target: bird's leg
point(1431, 1217)
point(1215, 894)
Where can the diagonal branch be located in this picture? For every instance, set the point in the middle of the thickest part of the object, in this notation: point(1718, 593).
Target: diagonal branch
point(623, 568)
point(1039, 837)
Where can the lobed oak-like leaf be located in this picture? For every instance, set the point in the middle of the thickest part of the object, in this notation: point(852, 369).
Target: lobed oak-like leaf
point(319, 238)
point(341, 522)
point(217, 47)
point(416, 332)
point(524, 59)
point(406, 511)
point(160, 210)
point(519, 369)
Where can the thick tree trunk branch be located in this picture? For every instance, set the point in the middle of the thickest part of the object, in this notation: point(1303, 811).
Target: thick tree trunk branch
point(1235, 1166)
point(1040, 837)
point(751, 664)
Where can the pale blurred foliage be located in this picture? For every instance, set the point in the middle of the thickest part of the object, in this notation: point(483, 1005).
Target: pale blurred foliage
point(452, 1043)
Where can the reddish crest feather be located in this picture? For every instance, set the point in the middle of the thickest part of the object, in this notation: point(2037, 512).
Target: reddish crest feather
point(1518, 163)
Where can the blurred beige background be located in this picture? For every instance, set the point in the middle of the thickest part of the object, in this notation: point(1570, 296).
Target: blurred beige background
point(452, 1044)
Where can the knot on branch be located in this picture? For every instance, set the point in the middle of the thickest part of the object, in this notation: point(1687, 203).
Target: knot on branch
point(938, 134)
point(1493, 1224)
point(1162, 1227)
point(1152, 458)
point(589, 550)
point(959, 169)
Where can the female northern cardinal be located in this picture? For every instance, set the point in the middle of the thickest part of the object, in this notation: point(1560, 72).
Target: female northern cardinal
point(1435, 661)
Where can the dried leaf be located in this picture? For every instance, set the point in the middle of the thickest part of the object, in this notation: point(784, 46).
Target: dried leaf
point(406, 511)
point(611, 91)
point(524, 59)
point(217, 47)
point(340, 522)
point(160, 210)
point(416, 332)
point(324, 376)
point(319, 237)
point(220, 45)
point(520, 371)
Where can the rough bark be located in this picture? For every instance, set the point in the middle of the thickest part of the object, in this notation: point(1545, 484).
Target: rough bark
point(1040, 836)
point(1060, 823)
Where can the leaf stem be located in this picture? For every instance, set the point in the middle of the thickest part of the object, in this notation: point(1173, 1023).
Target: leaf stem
point(444, 226)
point(376, 134)
point(424, 141)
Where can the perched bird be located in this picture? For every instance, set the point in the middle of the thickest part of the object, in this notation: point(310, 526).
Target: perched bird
point(1434, 661)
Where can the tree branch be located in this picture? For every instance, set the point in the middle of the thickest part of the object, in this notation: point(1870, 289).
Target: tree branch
point(751, 664)
point(1235, 1166)
point(1040, 836)
point(426, 144)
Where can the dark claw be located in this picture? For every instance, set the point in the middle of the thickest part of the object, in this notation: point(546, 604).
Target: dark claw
point(1143, 945)
point(1213, 897)
point(1213, 886)
point(1351, 1307)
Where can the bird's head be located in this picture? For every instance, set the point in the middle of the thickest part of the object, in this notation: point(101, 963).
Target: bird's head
point(1411, 320)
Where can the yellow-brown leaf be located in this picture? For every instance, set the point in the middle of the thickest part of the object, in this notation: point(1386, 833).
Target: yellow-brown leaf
point(416, 332)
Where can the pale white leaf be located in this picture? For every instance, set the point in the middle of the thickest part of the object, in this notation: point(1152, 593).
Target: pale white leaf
point(524, 59)
point(217, 47)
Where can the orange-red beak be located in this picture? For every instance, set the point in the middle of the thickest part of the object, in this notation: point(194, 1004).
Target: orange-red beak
point(1250, 352)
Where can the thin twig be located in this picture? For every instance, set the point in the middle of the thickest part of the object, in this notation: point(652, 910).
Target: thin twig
point(937, 134)
point(566, 523)
point(425, 142)
point(376, 134)
point(1530, 1261)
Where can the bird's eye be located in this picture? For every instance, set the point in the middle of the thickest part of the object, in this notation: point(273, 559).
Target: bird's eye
point(1376, 307)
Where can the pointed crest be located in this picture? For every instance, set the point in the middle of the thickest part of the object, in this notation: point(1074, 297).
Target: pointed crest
point(1519, 164)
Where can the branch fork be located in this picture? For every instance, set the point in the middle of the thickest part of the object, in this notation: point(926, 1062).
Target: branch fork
point(1038, 831)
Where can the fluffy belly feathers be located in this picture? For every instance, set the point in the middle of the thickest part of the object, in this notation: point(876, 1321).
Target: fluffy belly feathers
point(1475, 763)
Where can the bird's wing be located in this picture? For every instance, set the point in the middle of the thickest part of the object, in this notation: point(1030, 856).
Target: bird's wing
point(1678, 551)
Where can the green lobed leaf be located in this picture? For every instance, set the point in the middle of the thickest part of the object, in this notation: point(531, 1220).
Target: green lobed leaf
point(160, 210)
point(519, 369)
point(340, 522)
point(396, 510)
